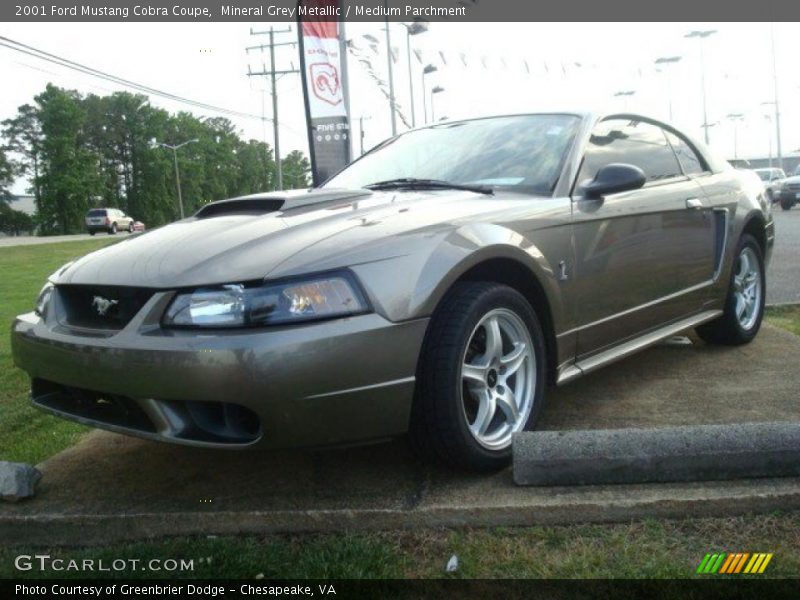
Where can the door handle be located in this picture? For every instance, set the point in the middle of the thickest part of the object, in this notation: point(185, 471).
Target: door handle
point(694, 203)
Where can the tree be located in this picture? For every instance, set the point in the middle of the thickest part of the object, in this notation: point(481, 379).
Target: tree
point(296, 170)
point(69, 167)
point(24, 136)
point(14, 222)
point(6, 178)
point(83, 151)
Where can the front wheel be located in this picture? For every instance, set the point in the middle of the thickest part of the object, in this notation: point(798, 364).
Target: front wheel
point(480, 377)
point(787, 204)
point(130, 227)
point(744, 305)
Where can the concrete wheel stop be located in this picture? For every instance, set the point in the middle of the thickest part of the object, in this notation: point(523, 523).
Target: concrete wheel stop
point(657, 454)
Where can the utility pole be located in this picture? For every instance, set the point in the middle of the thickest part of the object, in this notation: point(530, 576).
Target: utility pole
point(273, 74)
point(391, 75)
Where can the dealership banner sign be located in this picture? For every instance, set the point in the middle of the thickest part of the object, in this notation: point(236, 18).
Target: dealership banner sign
point(324, 77)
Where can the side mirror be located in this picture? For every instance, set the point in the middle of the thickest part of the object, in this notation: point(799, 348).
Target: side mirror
point(612, 179)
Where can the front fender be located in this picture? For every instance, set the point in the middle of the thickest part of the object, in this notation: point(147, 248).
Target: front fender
point(470, 246)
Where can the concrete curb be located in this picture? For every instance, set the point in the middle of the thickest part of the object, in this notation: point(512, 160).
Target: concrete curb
point(516, 507)
point(657, 454)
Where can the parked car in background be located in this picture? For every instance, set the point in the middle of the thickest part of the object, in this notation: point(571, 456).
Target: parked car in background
point(110, 220)
point(436, 287)
point(138, 227)
point(789, 193)
point(773, 180)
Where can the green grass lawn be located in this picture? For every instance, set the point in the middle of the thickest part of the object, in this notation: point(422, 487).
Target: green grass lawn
point(649, 549)
point(786, 317)
point(27, 435)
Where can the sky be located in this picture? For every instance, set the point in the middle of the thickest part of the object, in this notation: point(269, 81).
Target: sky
point(483, 72)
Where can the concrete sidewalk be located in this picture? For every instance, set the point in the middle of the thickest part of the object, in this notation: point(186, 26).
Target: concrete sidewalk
point(110, 487)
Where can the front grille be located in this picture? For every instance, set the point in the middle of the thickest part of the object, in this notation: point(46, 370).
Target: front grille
point(795, 187)
point(101, 307)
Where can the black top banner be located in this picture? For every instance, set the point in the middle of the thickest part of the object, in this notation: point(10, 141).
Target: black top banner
point(456, 11)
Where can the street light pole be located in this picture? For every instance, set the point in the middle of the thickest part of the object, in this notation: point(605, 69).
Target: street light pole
point(177, 171)
point(436, 90)
point(415, 28)
point(625, 94)
point(701, 35)
point(775, 97)
point(735, 119)
point(666, 61)
point(426, 71)
point(391, 74)
point(769, 138)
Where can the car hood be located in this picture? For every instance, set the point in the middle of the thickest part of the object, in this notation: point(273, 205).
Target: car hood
point(251, 238)
point(792, 179)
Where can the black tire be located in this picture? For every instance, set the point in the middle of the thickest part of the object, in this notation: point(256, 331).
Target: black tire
point(727, 330)
point(92, 232)
point(113, 230)
point(787, 204)
point(439, 429)
point(130, 227)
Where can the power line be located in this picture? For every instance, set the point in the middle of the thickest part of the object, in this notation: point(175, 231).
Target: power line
point(64, 62)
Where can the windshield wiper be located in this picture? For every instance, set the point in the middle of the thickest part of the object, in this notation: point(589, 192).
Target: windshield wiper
point(414, 183)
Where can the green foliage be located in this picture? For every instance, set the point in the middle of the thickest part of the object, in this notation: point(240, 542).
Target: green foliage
point(6, 177)
point(84, 151)
point(14, 222)
point(296, 170)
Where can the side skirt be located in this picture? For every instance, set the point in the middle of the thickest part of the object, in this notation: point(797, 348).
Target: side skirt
point(601, 359)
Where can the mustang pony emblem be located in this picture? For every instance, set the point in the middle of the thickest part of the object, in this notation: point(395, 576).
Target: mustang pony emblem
point(103, 304)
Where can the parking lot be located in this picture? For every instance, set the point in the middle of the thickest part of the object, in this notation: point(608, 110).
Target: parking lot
point(783, 275)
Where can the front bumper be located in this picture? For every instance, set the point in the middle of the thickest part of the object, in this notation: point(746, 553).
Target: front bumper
point(332, 382)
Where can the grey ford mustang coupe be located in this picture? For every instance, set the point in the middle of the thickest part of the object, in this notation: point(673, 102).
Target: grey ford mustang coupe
point(434, 287)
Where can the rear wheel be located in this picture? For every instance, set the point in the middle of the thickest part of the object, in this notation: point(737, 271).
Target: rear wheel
point(480, 378)
point(744, 306)
point(92, 232)
point(787, 203)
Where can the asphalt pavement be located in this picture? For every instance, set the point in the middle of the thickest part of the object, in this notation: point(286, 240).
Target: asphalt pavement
point(783, 274)
point(31, 240)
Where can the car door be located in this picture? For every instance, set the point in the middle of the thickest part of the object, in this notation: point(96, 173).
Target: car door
point(643, 257)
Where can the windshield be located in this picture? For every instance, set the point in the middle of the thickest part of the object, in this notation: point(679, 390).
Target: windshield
point(525, 153)
point(763, 175)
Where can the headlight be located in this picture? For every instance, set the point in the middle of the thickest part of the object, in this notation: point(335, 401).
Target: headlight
point(318, 297)
point(43, 300)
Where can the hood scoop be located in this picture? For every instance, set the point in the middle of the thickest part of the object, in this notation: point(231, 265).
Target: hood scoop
point(261, 204)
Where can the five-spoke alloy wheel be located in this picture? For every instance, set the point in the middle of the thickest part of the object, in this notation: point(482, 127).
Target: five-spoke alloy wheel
point(744, 305)
point(499, 377)
point(480, 377)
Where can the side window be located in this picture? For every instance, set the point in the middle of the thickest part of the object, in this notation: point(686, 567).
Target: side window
point(632, 142)
point(690, 161)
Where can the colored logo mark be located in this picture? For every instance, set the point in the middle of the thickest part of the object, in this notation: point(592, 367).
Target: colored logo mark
point(732, 563)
